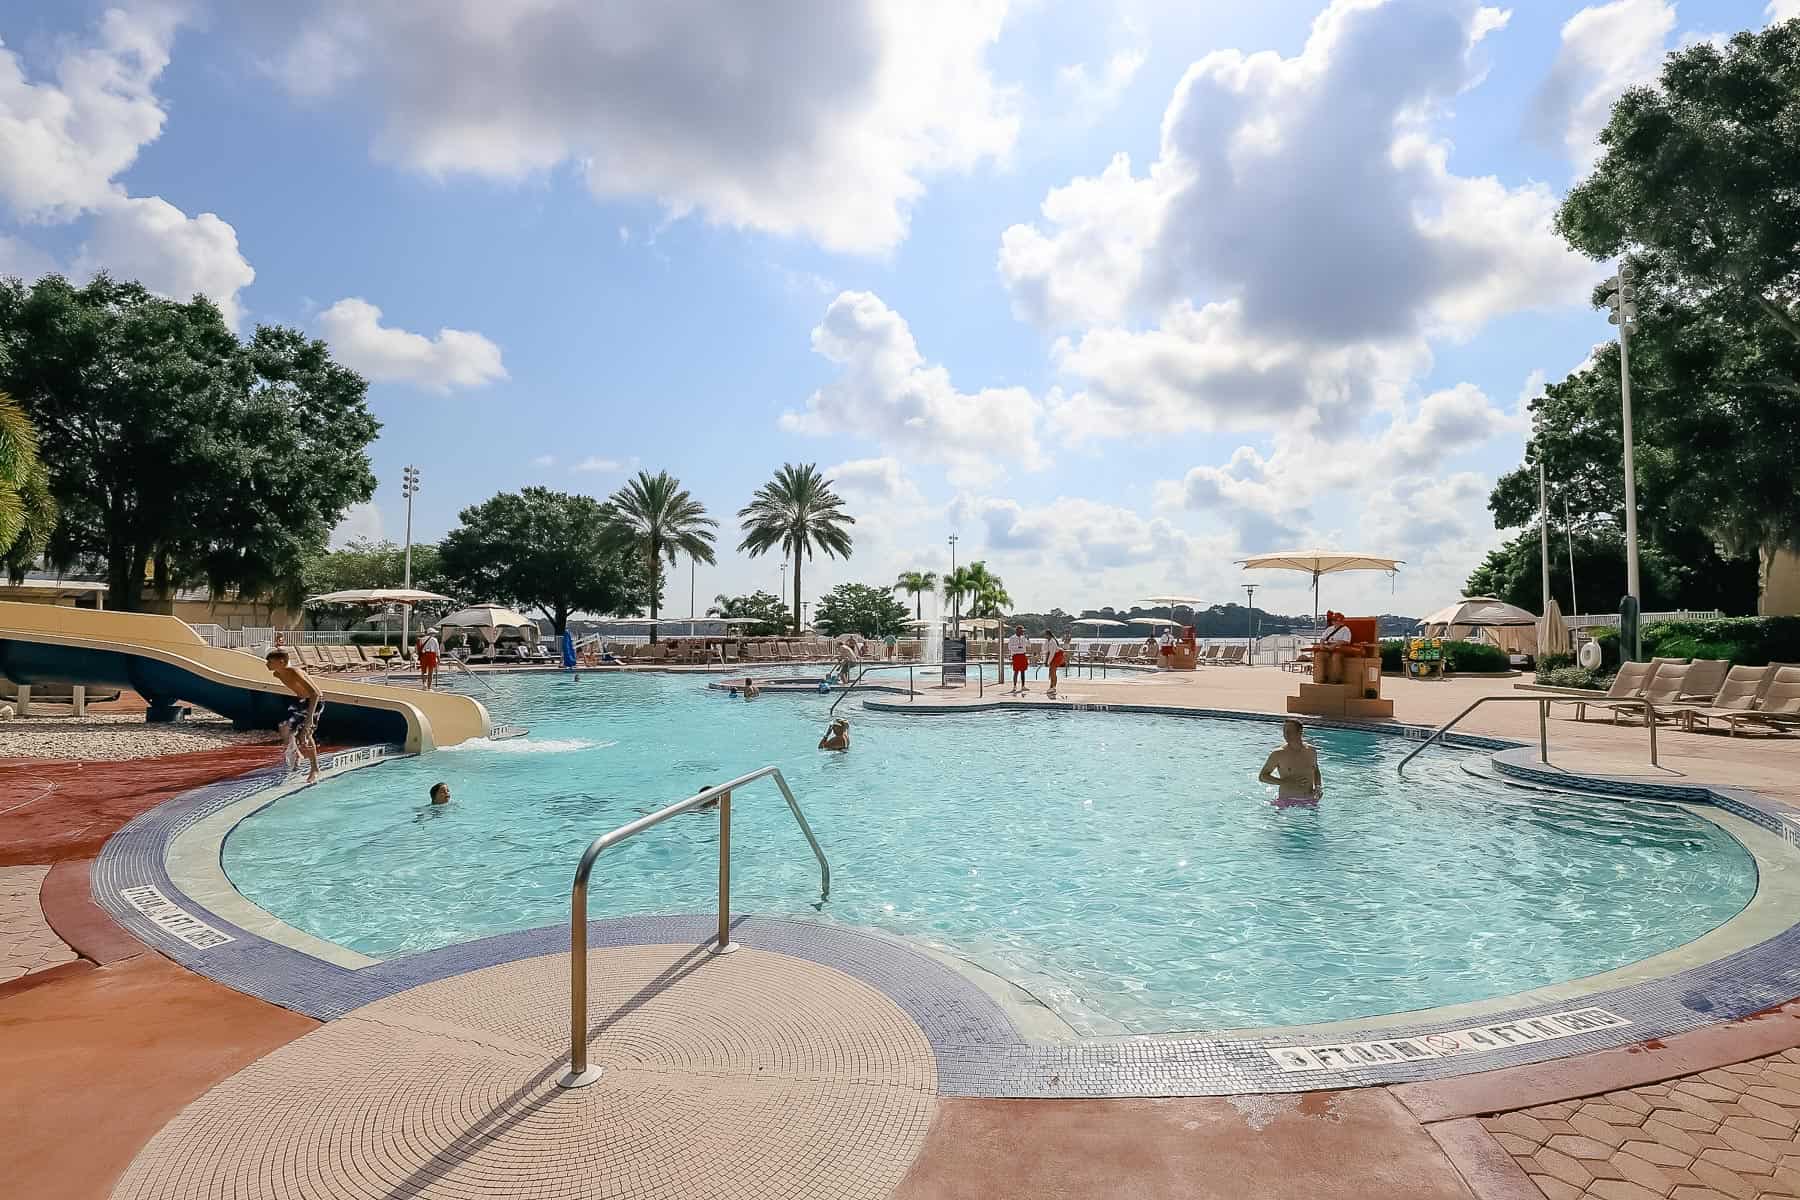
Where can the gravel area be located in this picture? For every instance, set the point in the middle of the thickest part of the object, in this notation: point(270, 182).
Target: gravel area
point(112, 737)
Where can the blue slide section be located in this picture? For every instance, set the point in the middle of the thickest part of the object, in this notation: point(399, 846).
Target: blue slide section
point(164, 685)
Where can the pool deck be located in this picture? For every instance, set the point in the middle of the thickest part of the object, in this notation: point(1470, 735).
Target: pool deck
point(770, 1072)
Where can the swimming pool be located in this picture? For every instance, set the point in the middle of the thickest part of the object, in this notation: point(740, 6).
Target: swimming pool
point(1126, 869)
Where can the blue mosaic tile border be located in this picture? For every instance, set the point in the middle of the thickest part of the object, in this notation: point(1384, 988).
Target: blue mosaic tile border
point(978, 1050)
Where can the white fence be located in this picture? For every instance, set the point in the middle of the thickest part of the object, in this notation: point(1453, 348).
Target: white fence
point(1611, 620)
point(250, 637)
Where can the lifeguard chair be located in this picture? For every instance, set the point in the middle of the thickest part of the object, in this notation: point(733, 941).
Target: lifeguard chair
point(1346, 674)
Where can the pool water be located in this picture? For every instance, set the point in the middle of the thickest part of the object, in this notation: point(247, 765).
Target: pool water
point(1126, 869)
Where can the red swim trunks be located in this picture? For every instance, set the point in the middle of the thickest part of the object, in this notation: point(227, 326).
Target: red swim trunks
point(1060, 659)
point(427, 661)
point(1020, 662)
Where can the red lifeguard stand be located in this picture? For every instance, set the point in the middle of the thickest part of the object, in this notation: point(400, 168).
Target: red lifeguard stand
point(1346, 678)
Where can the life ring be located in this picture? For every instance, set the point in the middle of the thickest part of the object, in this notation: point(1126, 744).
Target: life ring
point(1589, 655)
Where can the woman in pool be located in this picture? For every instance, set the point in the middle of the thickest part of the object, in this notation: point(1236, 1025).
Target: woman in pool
point(837, 737)
point(1294, 769)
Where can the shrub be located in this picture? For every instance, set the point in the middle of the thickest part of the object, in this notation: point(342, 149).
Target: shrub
point(1553, 662)
point(1393, 655)
point(1475, 656)
point(1609, 647)
point(1746, 641)
point(1576, 677)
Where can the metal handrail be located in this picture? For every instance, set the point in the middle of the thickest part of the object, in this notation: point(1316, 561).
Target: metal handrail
point(580, 1072)
point(1543, 703)
point(909, 668)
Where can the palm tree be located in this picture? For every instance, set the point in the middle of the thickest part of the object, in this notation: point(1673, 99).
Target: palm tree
point(27, 510)
point(796, 510)
point(957, 585)
point(654, 514)
point(913, 583)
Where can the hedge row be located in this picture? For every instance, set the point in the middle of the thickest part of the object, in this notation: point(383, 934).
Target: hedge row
point(1458, 656)
point(1743, 641)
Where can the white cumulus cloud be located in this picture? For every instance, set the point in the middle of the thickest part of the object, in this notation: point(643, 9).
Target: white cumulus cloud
point(1605, 49)
point(1783, 10)
point(453, 358)
point(1297, 243)
point(881, 480)
point(822, 120)
point(65, 140)
point(886, 390)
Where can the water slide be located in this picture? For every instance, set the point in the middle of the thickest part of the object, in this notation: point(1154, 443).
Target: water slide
point(167, 663)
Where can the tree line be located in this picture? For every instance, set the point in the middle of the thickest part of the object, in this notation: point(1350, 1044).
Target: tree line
point(1696, 190)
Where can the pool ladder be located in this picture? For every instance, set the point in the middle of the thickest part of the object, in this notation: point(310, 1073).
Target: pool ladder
point(581, 1072)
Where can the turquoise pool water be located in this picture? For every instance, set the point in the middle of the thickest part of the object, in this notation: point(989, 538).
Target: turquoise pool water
point(1127, 869)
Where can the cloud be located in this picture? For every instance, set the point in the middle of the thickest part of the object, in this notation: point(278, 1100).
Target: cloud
point(148, 239)
point(1448, 423)
point(594, 464)
point(882, 480)
point(23, 260)
point(1298, 242)
point(1309, 190)
point(806, 119)
point(64, 141)
point(544, 460)
point(1605, 49)
point(454, 358)
point(361, 521)
point(886, 390)
point(1093, 94)
point(1209, 369)
point(1783, 10)
point(1069, 533)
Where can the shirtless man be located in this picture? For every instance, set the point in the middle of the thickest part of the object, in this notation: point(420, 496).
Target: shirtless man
point(837, 737)
point(305, 715)
point(1294, 769)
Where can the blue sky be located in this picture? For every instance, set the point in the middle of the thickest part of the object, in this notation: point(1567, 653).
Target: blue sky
point(1114, 291)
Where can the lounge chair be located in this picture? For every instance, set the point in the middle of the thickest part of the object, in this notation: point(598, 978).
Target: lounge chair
point(1232, 656)
point(1661, 691)
point(1734, 702)
point(1704, 678)
point(1628, 684)
point(1774, 677)
point(1779, 707)
point(1210, 655)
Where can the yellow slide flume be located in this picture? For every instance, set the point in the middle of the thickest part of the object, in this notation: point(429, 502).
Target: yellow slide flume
point(166, 662)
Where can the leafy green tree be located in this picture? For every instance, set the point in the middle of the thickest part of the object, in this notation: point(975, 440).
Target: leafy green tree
point(177, 449)
point(958, 585)
point(546, 550)
point(1669, 581)
point(1699, 176)
point(768, 610)
point(1696, 188)
point(368, 564)
point(988, 592)
point(27, 510)
point(859, 608)
point(654, 516)
point(797, 511)
point(914, 584)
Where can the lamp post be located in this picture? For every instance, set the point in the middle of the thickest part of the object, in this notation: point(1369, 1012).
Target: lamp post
point(409, 487)
point(1543, 512)
point(1250, 618)
point(955, 597)
point(1623, 302)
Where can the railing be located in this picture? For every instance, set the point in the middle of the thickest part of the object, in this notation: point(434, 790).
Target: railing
point(1543, 703)
point(909, 668)
point(1611, 620)
point(580, 1072)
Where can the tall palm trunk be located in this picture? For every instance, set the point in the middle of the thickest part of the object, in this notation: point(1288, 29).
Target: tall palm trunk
point(918, 606)
point(796, 553)
point(655, 588)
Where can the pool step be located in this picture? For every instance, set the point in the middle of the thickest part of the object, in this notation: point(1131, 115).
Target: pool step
point(1568, 794)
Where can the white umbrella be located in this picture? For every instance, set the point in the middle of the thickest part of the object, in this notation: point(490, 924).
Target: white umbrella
point(1098, 622)
point(1183, 601)
point(1479, 611)
point(1317, 563)
point(1553, 631)
point(490, 619)
point(378, 596)
point(1158, 621)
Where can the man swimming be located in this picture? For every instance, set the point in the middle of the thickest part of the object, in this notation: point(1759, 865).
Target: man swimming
point(305, 715)
point(1294, 769)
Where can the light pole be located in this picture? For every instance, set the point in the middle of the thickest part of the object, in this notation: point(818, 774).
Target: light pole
point(1623, 302)
point(1543, 512)
point(1569, 532)
point(409, 487)
point(955, 597)
point(1250, 618)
